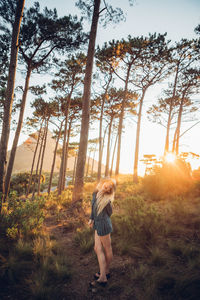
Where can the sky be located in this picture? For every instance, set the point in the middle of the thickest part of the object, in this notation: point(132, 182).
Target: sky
point(176, 17)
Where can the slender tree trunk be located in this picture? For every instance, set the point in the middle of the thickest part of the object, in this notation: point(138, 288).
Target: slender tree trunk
point(92, 171)
point(174, 140)
point(111, 168)
point(66, 156)
point(33, 161)
point(79, 179)
point(74, 170)
point(121, 122)
point(108, 148)
point(54, 159)
point(100, 129)
point(62, 165)
point(9, 97)
point(17, 134)
point(135, 172)
point(170, 111)
point(168, 127)
point(88, 165)
point(42, 158)
point(179, 123)
point(38, 163)
point(62, 160)
point(104, 137)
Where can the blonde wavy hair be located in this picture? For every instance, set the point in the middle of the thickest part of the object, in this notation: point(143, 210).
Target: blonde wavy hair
point(105, 193)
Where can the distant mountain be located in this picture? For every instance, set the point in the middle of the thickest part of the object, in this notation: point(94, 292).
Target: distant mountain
point(25, 151)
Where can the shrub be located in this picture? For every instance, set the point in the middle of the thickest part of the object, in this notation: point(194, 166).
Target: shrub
point(20, 181)
point(55, 201)
point(23, 218)
point(139, 224)
point(168, 181)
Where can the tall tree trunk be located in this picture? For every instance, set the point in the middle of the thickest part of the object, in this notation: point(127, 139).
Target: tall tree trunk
point(92, 171)
point(100, 129)
point(170, 111)
point(38, 163)
point(54, 159)
point(121, 122)
point(135, 172)
point(33, 161)
point(17, 134)
point(79, 179)
point(104, 137)
point(66, 155)
point(62, 164)
point(42, 158)
point(62, 160)
point(88, 165)
point(108, 148)
point(179, 123)
point(9, 96)
point(111, 168)
point(74, 170)
point(174, 140)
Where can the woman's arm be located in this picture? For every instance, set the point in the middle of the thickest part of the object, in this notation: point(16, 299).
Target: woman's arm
point(92, 204)
point(91, 220)
point(108, 209)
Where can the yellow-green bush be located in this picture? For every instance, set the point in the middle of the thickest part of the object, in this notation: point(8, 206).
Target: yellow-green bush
point(138, 224)
point(20, 181)
point(22, 218)
point(172, 179)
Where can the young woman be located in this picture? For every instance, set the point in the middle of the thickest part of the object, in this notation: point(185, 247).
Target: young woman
point(100, 221)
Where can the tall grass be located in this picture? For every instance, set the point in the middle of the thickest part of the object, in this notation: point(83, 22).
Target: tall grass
point(138, 224)
point(84, 239)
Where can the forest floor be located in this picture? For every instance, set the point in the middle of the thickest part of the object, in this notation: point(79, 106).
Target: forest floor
point(156, 246)
point(84, 266)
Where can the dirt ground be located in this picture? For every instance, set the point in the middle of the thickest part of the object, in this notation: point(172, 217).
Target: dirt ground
point(85, 266)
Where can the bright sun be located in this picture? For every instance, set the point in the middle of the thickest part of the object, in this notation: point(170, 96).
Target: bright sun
point(170, 157)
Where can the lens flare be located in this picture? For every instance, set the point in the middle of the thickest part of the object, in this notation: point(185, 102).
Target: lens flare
point(170, 157)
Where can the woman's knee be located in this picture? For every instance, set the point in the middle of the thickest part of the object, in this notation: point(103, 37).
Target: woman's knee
point(97, 249)
point(109, 253)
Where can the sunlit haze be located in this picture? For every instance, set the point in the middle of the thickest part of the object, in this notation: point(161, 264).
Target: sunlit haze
point(176, 17)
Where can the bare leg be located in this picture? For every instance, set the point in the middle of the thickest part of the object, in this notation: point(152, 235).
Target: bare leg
point(106, 242)
point(101, 257)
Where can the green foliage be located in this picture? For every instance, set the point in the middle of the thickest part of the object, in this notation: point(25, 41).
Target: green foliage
point(58, 202)
point(168, 181)
point(20, 181)
point(139, 224)
point(22, 218)
point(160, 241)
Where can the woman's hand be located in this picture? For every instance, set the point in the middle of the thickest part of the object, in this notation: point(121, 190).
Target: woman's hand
point(90, 223)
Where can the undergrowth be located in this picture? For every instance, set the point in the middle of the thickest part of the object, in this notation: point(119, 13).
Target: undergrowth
point(160, 233)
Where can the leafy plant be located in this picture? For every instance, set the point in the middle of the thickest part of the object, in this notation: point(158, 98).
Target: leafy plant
point(23, 218)
point(139, 224)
